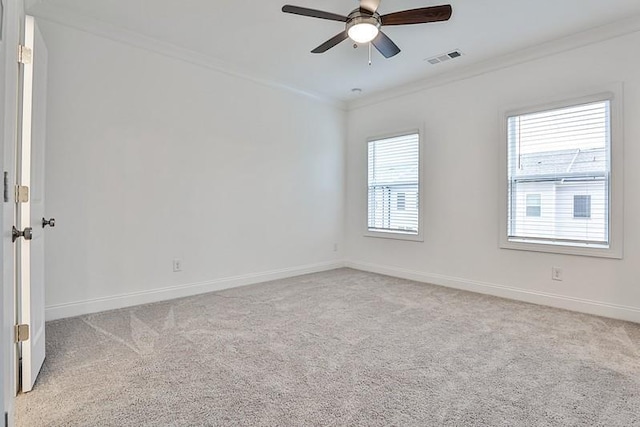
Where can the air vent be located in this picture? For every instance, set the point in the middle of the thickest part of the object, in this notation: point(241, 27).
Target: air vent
point(444, 57)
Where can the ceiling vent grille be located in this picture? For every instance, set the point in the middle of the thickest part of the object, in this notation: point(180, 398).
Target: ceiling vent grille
point(444, 57)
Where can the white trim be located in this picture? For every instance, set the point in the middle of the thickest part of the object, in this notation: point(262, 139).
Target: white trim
point(396, 235)
point(62, 16)
point(95, 305)
point(599, 34)
point(612, 92)
point(614, 311)
point(13, 16)
point(605, 93)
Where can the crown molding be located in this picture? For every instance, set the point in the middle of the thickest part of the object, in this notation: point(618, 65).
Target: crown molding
point(67, 18)
point(612, 30)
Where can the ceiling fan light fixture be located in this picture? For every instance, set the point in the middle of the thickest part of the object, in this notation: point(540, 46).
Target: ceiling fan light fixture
point(363, 28)
point(363, 32)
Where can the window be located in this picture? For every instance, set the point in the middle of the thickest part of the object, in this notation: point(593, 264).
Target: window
point(582, 206)
point(557, 153)
point(559, 171)
point(533, 204)
point(393, 186)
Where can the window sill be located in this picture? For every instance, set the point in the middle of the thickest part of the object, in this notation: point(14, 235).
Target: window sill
point(598, 251)
point(394, 235)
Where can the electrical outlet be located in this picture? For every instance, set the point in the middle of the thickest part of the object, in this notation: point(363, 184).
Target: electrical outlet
point(177, 265)
point(556, 273)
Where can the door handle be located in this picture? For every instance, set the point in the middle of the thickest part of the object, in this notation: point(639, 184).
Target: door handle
point(27, 233)
point(51, 222)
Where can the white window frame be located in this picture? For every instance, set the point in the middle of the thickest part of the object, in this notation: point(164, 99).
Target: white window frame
point(612, 93)
point(397, 235)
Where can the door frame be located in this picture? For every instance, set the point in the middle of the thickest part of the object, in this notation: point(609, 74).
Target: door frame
point(13, 14)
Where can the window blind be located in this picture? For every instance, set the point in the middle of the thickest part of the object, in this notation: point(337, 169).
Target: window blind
point(393, 181)
point(558, 172)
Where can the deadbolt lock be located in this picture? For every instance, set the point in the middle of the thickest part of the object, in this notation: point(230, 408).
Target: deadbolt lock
point(27, 233)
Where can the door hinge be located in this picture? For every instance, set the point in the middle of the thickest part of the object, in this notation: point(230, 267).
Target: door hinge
point(22, 332)
point(24, 55)
point(6, 186)
point(22, 194)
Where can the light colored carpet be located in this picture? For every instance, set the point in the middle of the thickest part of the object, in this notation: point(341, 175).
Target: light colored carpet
point(342, 347)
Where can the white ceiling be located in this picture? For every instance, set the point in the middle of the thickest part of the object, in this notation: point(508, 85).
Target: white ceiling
point(257, 38)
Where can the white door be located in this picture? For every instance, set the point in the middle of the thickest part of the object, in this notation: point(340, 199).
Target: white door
point(30, 253)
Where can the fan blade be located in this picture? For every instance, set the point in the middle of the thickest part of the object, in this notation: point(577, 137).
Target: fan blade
point(385, 46)
point(370, 5)
point(331, 42)
point(297, 10)
point(418, 16)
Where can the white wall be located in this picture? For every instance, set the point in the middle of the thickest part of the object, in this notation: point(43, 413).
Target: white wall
point(150, 158)
point(461, 170)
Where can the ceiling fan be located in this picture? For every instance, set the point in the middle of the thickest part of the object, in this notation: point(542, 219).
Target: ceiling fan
point(363, 23)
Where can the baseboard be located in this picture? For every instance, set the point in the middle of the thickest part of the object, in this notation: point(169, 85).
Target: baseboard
point(78, 308)
point(613, 311)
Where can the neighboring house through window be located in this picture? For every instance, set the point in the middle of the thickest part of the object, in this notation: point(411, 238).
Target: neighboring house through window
point(394, 186)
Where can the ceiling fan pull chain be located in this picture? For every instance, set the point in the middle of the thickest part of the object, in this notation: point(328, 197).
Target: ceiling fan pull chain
point(369, 53)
